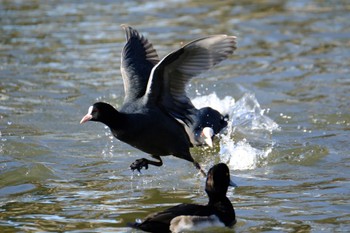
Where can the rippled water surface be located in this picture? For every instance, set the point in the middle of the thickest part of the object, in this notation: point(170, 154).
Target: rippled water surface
point(286, 89)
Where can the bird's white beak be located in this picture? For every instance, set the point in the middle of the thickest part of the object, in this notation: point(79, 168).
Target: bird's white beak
point(88, 116)
point(207, 133)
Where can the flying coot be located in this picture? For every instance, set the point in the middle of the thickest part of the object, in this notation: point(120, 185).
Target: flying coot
point(156, 108)
point(207, 122)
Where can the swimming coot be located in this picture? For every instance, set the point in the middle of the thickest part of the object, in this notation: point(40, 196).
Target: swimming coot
point(218, 212)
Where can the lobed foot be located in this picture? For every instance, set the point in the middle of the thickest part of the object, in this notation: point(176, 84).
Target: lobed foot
point(139, 164)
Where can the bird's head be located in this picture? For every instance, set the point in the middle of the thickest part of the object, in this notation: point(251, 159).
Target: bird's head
point(99, 112)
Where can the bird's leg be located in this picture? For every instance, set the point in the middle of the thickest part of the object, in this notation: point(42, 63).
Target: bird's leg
point(140, 163)
point(199, 168)
point(187, 156)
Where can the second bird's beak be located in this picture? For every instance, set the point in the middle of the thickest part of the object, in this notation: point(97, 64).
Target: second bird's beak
point(207, 133)
point(233, 184)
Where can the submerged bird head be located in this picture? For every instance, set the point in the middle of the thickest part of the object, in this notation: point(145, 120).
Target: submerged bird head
point(218, 180)
point(99, 111)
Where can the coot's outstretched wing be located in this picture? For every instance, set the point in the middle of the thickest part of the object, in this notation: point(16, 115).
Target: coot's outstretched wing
point(137, 60)
point(168, 79)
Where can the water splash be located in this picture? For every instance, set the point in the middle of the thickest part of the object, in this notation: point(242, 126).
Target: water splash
point(107, 152)
point(247, 139)
point(241, 155)
point(248, 114)
point(224, 106)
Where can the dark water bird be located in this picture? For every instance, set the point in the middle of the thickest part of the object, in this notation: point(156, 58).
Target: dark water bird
point(218, 212)
point(156, 108)
point(207, 122)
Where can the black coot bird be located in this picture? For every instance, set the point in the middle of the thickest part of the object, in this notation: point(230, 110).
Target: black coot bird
point(207, 122)
point(218, 212)
point(156, 108)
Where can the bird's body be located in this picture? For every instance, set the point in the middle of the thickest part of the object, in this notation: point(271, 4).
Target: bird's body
point(219, 211)
point(134, 128)
point(156, 107)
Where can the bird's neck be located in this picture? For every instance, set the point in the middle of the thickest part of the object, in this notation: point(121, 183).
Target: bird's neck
point(224, 209)
point(115, 120)
point(215, 199)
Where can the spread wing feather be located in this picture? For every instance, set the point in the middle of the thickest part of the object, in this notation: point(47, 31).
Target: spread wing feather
point(167, 84)
point(138, 59)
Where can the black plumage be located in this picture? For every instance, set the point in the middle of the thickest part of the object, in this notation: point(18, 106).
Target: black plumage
point(207, 122)
point(156, 107)
point(218, 212)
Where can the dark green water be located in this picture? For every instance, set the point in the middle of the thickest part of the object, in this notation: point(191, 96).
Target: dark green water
point(287, 88)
